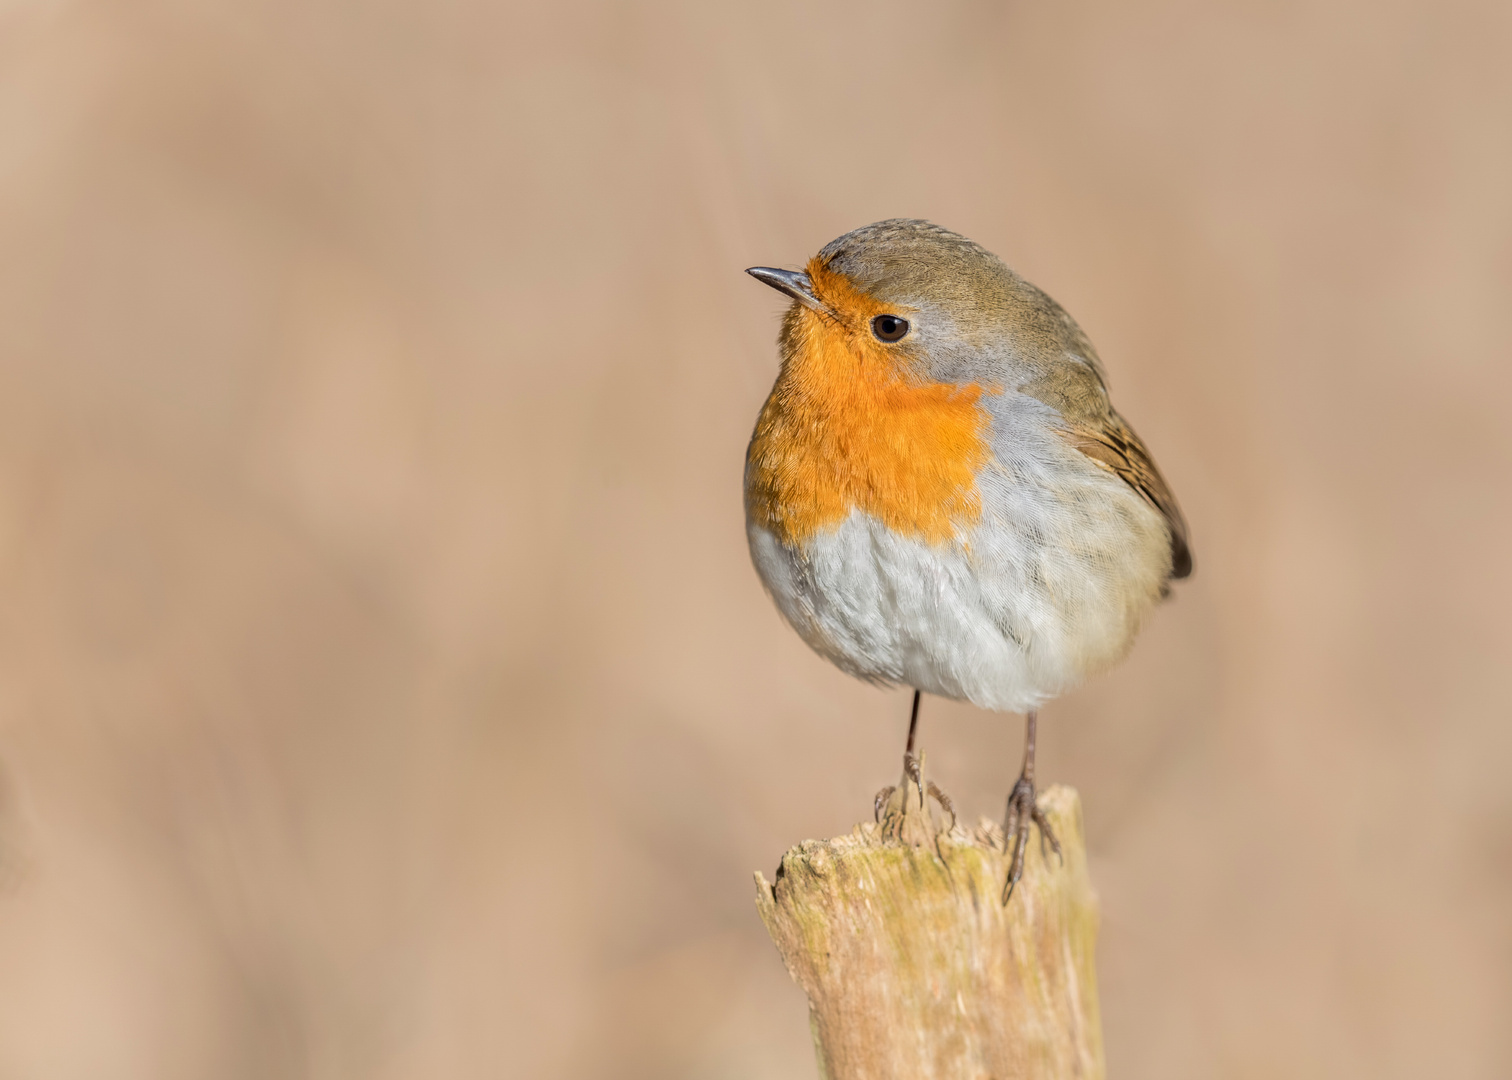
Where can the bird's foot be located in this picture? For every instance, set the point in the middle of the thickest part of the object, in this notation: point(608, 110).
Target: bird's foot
point(1024, 813)
point(903, 809)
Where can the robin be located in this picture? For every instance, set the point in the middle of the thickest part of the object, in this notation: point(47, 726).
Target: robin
point(939, 493)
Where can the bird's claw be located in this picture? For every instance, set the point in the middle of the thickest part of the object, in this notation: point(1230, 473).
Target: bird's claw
point(945, 803)
point(901, 818)
point(1022, 814)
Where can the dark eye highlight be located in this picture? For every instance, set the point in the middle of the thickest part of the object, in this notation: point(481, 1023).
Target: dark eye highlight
point(889, 327)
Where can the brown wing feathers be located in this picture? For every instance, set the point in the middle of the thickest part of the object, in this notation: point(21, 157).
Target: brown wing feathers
point(1114, 445)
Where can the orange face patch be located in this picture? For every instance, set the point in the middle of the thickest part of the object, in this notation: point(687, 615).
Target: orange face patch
point(849, 427)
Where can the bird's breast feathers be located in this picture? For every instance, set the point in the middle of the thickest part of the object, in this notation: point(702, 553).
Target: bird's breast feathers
point(845, 429)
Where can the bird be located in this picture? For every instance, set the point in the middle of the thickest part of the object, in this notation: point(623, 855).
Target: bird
point(939, 493)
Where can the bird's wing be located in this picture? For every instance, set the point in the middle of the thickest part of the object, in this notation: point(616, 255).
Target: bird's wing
point(1067, 376)
point(1110, 442)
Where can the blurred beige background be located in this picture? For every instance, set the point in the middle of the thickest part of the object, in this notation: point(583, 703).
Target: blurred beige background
point(384, 688)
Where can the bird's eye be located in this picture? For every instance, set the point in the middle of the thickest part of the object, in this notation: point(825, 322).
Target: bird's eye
point(889, 327)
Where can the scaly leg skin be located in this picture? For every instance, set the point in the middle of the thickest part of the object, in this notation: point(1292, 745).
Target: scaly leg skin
point(910, 764)
point(913, 773)
point(1024, 812)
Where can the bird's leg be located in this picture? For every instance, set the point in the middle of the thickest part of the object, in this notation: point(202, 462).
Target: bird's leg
point(1024, 812)
point(894, 807)
point(911, 763)
point(911, 770)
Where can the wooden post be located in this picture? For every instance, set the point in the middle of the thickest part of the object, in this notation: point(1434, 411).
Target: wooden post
point(913, 966)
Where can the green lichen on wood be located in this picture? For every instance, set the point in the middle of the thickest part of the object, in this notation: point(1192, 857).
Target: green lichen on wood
point(914, 967)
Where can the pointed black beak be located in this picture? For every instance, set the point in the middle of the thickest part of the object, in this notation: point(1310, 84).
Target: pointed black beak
point(793, 282)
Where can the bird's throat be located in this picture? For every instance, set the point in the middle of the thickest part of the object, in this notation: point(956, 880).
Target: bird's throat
point(845, 429)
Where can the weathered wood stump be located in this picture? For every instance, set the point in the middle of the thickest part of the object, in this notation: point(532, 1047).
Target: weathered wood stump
point(915, 968)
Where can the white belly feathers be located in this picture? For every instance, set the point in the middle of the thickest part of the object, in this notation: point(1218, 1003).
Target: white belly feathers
point(1042, 592)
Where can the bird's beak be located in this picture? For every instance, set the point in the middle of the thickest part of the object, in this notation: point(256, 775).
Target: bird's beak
point(793, 282)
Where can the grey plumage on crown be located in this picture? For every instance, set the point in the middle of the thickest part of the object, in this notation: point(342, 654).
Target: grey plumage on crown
point(889, 252)
point(899, 234)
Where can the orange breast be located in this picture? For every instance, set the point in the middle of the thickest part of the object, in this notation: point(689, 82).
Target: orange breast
point(849, 427)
